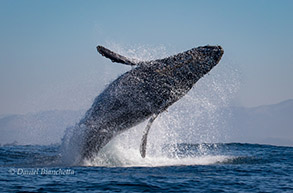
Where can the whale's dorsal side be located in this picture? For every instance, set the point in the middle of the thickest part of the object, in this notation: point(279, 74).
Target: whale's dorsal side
point(114, 57)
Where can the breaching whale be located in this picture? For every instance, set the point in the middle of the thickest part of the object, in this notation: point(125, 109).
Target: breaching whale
point(142, 93)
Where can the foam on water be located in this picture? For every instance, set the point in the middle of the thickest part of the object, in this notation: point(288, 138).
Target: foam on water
point(194, 119)
point(117, 154)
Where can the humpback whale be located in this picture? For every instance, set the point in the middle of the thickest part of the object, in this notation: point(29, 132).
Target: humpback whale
point(142, 93)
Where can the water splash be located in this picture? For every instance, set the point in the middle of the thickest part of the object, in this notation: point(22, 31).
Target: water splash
point(117, 154)
point(194, 119)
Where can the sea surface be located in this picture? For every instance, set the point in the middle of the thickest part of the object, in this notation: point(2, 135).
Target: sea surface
point(230, 167)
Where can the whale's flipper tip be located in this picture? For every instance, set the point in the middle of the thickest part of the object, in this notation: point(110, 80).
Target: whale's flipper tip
point(114, 57)
point(143, 144)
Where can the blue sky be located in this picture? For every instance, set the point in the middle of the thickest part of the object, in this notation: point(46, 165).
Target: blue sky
point(48, 58)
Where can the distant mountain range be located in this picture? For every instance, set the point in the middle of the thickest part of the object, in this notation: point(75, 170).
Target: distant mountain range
point(37, 128)
point(270, 124)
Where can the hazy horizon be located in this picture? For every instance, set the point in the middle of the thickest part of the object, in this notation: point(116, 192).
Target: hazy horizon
point(269, 124)
point(85, 109)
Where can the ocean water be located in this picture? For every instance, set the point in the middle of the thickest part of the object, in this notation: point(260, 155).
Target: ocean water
point(229, 167)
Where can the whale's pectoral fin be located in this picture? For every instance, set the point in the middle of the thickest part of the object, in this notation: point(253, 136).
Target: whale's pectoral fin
point(114, 57)
point(145, 136)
